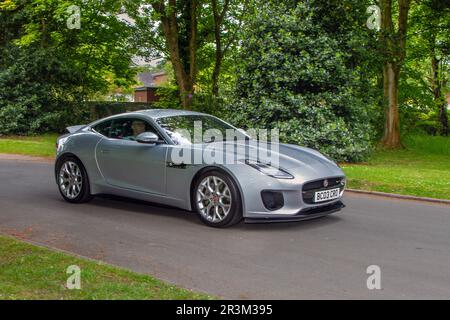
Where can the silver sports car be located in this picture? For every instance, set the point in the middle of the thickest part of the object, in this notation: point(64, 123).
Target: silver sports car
point(199, 163)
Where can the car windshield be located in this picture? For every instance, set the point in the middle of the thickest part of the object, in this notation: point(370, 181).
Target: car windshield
point(181, 129)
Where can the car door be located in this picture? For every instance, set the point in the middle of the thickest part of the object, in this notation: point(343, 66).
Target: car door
point(128, 164)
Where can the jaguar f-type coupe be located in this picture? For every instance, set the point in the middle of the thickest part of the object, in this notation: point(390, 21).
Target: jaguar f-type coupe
point(151, 155)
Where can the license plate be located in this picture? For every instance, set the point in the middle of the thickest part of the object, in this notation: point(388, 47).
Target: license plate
point(326, 195)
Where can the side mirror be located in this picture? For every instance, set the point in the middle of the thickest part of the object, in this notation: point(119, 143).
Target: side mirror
point(147, 137)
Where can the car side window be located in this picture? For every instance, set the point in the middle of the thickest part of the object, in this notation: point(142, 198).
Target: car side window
point(103, 128)
point(130, 128)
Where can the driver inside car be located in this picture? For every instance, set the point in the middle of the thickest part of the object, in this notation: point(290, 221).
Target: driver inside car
point(138, 127)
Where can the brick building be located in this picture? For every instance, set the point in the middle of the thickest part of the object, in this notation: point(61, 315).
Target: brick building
point(151, 81)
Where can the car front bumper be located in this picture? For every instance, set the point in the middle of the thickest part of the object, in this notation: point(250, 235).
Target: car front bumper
point(304, 214)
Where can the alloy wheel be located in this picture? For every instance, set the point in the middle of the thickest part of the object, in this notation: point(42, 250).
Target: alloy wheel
point(70, 179)
point(214, 199)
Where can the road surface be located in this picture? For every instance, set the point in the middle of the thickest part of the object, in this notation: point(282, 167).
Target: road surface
point(320, 259)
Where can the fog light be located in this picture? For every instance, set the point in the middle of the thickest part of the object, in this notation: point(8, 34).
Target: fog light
point(272, 200)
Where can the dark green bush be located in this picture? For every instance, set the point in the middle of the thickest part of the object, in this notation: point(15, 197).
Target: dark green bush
point(33, 88)
point(298, 76)
point(201, 101)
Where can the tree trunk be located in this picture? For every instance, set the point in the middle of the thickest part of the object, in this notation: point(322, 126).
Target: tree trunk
point(184, 67)
point(391, 138)
point(443, 118)
point(216, 71)
point(438, 95)
point(218, 19)
point(394, 44)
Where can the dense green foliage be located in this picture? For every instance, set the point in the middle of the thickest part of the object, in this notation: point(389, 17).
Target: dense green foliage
point(312, 69)
point(305, 76)
point(47, 69)
point(422, 89)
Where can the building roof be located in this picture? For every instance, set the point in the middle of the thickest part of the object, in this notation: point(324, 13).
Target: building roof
point(145, 88)
point(148, 78)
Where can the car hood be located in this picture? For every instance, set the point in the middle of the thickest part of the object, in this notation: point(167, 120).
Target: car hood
point(297, 160)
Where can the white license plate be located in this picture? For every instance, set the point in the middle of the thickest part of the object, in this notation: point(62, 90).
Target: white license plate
point(326, 195)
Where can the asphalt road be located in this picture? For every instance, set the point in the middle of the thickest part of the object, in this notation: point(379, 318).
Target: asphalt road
point(319, 259)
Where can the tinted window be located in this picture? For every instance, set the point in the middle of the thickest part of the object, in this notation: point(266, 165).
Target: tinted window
point(103, 128)
point(129, 128)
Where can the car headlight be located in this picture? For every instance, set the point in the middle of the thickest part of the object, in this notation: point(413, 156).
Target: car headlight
point(269, 170)
point(60, 142)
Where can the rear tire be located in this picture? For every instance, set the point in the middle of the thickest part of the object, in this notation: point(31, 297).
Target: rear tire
point(72, 180)
point(216, 199)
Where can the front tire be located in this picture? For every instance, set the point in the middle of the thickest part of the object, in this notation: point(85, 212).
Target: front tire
point(72, 180)
point(217, 200)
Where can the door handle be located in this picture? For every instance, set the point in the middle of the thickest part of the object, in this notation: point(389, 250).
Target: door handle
point(104, 151)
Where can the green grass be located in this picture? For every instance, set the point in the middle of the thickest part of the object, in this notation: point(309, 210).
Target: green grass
point(40, 146)
point(31, 272)
point(422, 168)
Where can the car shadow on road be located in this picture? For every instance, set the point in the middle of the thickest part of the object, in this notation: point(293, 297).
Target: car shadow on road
point(149, 208)
point(141, 206)
point(298, 225)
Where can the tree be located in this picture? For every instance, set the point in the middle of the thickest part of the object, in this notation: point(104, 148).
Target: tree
point(47, 70)
point(179, 23)
point(194, 35)
point(424, 80)
point(99, 51)
point(433, 34)
point(228, 20)
point(393, 39)
point(307, 76)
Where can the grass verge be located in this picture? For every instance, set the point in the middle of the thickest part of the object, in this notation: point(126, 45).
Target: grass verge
point(32, 272)
point(421, 169)
point(39, 146)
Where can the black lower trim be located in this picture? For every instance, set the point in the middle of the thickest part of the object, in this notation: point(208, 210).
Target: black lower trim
point(305, 214)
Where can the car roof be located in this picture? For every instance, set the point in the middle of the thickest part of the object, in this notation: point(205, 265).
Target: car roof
point(154, 114)
point(162, 113)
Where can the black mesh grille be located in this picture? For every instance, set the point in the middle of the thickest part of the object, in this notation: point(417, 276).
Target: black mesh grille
point(310, 188)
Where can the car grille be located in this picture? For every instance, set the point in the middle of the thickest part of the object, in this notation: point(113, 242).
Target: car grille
point(310, 188)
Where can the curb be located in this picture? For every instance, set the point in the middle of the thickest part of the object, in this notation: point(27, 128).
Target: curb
point(399, 196)
point(25, 158)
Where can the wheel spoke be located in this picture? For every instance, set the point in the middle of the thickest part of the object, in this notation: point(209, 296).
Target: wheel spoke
point(66, 169)
point(217, 212)
point(208, 183)
point(202, 195)
point(224, 205)
point(216, 184)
